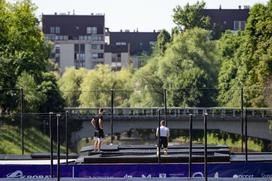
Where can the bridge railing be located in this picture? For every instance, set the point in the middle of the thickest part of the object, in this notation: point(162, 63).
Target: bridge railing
point(171, 111)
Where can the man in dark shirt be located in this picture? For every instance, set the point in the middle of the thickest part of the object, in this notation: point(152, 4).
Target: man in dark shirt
point(97, 123)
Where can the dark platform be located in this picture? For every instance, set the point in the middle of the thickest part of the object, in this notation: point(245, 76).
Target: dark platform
point(147, 154)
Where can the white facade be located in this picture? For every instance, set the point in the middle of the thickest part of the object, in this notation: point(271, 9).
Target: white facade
point(88, 55)
point(66, 56)
point(117, 60)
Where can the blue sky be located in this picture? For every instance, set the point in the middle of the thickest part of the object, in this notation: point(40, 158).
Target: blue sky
point(146, 15)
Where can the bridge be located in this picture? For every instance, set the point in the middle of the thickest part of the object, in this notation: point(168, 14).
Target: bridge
point(221, 118)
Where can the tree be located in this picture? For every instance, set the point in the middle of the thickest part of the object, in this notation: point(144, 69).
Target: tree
point(98, 83)
point(69, 85)
point(229, 87)
point(190, 16)
point(253, 61)
point(148, 86)
point(188, 67)
point(22, 48)
point(49, 87)
point(33, 97)
point(161, 44)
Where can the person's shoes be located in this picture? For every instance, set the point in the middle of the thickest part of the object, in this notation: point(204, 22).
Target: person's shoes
point(165, 152)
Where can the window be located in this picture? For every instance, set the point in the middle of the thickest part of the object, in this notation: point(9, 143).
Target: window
point(242, 25)
point(57, 29)
point(120, 43)
point(97, 46)
point(100, 55)
point(79, 55)
point(97, 38)
point(239, 25)
point(54, 30)
point(95, 55)
point(236, 25)
point(76, 47)
point(91, 30)
point(94, 46)
point(82, 48)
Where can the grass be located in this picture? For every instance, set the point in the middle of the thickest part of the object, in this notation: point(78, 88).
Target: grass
point(34, 141)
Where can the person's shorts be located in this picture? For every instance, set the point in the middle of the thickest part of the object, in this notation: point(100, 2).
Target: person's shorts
point(163, 142)
point(99, 134)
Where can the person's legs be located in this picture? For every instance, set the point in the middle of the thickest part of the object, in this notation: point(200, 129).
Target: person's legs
point(95, 144)
point(165, 145)
point(99, 144)
point(101, 137)
point(159, 146)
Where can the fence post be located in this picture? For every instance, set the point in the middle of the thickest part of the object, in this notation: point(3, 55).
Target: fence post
point(205, 147)
point(242, 119)
point(111, 120)
point(190, 144)
point(159, 135)
point(58, 142)
point(66, 135)
point(246, 146)
point(51, 144)
point(21, 120)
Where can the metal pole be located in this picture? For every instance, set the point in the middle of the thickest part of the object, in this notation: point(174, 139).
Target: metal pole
point(58, 142)
point(66, 135)
point(246, 135)
point(111, 120)
point(205, 147)
point(159, 135)
point(51, 144)
point(21, 120)
point(165, 106)
point(242, 119)
point(190, 145)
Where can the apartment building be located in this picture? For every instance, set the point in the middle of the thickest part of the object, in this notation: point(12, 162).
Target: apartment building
point(138, 43)
point(117, 56)
point(83, 40)
point(79, 40)
point(228, 19)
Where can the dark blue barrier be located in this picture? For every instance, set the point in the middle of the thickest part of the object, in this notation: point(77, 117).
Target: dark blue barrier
point(236, 170)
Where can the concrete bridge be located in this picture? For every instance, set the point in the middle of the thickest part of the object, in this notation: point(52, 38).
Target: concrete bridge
point(225, 119)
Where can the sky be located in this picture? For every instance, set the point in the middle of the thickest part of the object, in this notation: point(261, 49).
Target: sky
point(144, 15)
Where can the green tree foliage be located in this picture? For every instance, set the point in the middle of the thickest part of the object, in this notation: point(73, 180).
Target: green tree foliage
point(190, 16)
point(49, 87)
point(23, 54)
point(69, 85)
point(229, 87)
point(252, 59)
point(161, 44)
point(148, 86)
point(33, 98)
point(188, 67)
point(96, 86)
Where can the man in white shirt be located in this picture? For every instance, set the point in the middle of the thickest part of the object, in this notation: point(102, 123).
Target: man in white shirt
point(164, 137)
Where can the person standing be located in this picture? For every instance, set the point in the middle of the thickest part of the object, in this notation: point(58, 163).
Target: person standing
point(97, 123)
point(163, 136)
